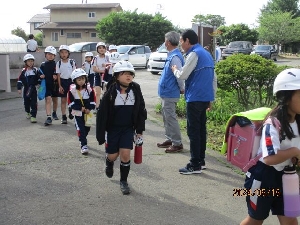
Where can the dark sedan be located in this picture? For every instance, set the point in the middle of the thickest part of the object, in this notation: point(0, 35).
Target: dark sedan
point(266, 51)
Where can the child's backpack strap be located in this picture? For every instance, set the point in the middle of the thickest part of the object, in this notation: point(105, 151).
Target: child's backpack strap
point(276, 123)
point(71, 62)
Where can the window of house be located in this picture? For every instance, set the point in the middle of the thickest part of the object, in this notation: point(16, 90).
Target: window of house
point(37, 25)
point(54, 36)
point(93, 34)
point(73, 35)
point(91, 14)
point(62, 33)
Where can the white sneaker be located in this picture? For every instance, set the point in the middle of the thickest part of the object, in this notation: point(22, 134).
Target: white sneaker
point(84, 150)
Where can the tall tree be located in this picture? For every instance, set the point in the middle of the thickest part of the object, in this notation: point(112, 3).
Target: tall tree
point(282, 6)
point(20, 32)
point(132, 28)
point(39, 38)
point(278, 27)
point(209, 19)
point(237, 32)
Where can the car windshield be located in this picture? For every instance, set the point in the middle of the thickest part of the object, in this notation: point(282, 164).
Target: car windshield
point(262, 48)
point(76, 47)
point(237, 45)
point(162, 49)
point(123, 49)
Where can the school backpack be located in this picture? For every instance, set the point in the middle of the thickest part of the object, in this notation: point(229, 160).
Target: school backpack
point(242, 137)
point(71, 62)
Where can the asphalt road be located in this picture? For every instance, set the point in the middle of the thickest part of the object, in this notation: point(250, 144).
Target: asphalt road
point(45, 180)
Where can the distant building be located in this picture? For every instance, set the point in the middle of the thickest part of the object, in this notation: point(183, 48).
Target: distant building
point(72, 23)
point(36, 21)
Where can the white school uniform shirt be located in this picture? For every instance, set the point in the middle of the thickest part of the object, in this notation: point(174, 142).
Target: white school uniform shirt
point(97, 61)
point(32, 45)
point(88, 67)
point(65, 69)
point(270, 143)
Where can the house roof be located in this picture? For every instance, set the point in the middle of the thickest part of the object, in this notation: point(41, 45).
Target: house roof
point(38, 18)
point(68, 25)
point(87, 6)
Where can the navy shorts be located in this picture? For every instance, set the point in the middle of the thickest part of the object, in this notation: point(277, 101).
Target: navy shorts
point(98, 79)
point(117, 138)
point(52, 89)
point(65, 83)
point(91, 79)
point(264, 188)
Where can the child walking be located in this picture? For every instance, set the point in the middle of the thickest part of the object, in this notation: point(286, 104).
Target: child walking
point(88, 67)
point(47, 69)
point(99, 64)
point(29, 79)
point(279, 149)
point(121, 115)
point(64, 69)
point(81, 100)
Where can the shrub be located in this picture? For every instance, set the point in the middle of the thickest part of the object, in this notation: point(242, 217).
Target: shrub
point(249, 77)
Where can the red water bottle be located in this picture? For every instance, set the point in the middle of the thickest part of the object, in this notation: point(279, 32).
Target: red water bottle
point(138, 151)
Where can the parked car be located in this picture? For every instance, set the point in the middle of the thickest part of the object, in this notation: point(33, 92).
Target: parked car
point(234, 47)
point(157, 60)
point(138, 55)
point(266, 51)
point(83, 47)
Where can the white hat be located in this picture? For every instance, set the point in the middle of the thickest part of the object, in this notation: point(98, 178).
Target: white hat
point(288, 79)
point(78, 73)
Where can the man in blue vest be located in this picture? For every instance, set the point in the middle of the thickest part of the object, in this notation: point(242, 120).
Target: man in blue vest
point(198, 73)
point(169, 89)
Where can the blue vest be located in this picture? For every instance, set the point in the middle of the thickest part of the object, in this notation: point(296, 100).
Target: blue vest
point(199, 85)
point(167, 85)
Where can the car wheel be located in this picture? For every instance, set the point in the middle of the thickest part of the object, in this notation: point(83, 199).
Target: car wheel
point(154, 73)
point(275, 59)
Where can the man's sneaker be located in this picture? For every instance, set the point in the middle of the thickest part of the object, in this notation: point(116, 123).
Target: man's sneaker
point(124, 187)
point(54, 116)
point(202, 163)
point(48, 121)
point(28, 115)
point(33, 120)
point(189, 169)
point(109, 169)
point(84, 150)
point(64, 120)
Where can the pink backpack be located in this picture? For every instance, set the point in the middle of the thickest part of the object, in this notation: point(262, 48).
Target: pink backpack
point(242, 140)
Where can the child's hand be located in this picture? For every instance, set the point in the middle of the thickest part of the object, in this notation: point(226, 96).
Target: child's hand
point(19, 91)
point(54, 77)
point(61, 90)
point(296, 161)
point(42, 76)
point(103, 65)
point(82, 109)
point(87, 111)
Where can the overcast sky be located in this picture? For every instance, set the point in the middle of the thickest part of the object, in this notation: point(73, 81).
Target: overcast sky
point(17, 13)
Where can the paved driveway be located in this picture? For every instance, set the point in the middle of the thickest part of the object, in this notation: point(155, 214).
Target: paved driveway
point(45, 180)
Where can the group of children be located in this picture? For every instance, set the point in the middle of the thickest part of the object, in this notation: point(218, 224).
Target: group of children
point(120, 116)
